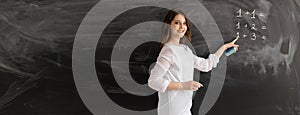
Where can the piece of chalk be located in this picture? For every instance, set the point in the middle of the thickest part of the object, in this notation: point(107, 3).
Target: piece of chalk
point(230, 51)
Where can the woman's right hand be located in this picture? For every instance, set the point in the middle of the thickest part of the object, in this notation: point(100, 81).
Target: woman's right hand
point(190, 85)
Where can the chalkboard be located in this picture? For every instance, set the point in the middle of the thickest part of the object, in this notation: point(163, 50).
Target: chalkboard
point(38, 38)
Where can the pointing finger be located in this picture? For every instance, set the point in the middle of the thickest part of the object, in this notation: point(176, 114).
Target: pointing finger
point(235, 40)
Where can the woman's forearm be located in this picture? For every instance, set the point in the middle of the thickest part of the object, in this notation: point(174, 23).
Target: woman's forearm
point(188, 85)
point(220, 51)
point(174, 86)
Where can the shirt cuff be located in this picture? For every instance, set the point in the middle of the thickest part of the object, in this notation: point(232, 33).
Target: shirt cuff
point(164, 86)
point(215, 59)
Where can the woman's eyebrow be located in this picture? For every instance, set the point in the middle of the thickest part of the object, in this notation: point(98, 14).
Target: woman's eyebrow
point(178, 20)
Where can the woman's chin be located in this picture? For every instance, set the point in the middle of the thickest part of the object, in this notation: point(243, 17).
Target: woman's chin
point(178, 35)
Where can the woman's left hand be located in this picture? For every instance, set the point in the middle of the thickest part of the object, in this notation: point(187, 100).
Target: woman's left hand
point(224, 47)
point(232, 44)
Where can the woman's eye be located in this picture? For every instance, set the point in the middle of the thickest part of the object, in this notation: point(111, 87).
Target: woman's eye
point(176, 22)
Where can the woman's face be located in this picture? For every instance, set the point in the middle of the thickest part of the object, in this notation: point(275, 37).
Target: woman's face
point(178, 26)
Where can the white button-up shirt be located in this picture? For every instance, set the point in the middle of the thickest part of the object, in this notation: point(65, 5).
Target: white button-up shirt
point(176, 63)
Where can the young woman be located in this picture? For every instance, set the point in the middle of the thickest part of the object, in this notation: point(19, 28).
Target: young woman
point(172, 75)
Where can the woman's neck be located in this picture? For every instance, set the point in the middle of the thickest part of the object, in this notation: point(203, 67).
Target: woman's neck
point(174, 41)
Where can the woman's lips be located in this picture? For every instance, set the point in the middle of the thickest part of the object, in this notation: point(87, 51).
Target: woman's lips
point(180, 31)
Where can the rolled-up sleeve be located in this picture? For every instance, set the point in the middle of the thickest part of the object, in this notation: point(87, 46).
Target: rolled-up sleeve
point(206, 65)
point(156, 80)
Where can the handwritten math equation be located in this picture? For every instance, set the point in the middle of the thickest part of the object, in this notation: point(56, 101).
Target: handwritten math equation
point(253, 28)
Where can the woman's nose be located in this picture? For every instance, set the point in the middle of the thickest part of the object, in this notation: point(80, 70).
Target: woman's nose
point(180, 26)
